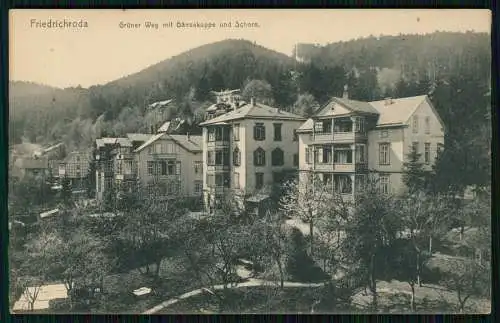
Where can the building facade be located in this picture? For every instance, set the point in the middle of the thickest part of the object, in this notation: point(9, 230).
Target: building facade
point(246, 150)
point(171, 164)
point(346, 140)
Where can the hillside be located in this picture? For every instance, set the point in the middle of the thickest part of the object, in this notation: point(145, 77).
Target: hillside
point(454, 68)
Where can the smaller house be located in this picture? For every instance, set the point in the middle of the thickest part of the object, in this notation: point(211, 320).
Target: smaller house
point(30, 167)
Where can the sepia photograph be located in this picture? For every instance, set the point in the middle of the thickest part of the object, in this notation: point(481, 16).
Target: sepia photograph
point(250, 161)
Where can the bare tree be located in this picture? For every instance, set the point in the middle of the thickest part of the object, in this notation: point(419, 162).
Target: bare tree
point(422, 215)
point(306, 199)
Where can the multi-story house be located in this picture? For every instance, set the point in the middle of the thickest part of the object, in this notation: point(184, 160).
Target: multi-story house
point(172, 164)
point(347, 139)
point(246, 150)
point(226, 101)
point(75, 167)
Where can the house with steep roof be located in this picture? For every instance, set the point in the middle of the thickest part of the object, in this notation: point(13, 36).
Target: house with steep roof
point(171, 165)
point(348, 139)
point(246, 150)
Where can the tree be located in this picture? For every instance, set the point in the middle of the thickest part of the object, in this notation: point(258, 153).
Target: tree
point(466, 278)
point(150, 231)
point(270, 242)
point(415, 177)
point(404, 261)
point(260, 90)
point(372, 227)
point(305, 105)
point(66, 192)
point(306, 199)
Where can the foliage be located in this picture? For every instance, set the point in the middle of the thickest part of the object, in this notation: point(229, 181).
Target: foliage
point(260, 90)
point(373, 226)
point(306, 199)
point(415, 177)
point(305, 105)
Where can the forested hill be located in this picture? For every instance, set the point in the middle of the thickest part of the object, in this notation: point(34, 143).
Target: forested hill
point(453, 67)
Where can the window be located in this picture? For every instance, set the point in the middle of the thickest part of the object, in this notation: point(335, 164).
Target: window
point(342, 155)
point(414, 147)
point(198, 167)
point(384, 133)
point(211, 134)
point(150, 167)
point(210, 180)
point(295, 159)
point(158, 147)
point(259, 180)
point(415, 124)
point(384, 184)
point(259, 157)
point(236, 157)
point(277, 131)
point(171, 168)
point(427, 153)
point(384, 156)
point(222, 179)
point(210, 158)
point(259, 132)
point(277, 157)
point(427, 125)
point(295, 135)
point(326, 155)
point(198, 187)
point(360, 153)
point(163, 167)
point(308, 155)
point(236, 180)
point(236, 132)
point(359, 124)
point(318, 127)
point(439, 148)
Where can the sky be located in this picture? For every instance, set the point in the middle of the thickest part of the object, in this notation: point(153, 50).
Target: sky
point(105, 50)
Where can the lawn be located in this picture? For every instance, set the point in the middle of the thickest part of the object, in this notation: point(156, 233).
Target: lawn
point(248, 300)
point(394, 297)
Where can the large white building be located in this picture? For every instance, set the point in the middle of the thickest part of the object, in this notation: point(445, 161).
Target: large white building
point(347, 139)
point(246, 150)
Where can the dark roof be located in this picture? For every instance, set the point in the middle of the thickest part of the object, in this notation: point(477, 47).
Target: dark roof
point(257, 111)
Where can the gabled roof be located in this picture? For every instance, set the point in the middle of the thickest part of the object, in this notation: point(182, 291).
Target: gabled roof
point(159, 104)
point(138, 136)
point(397, 112)
point(256, 111)
point(164, 127)
point(306, 126)
point(124, 142)
point(193, 144)
point(352, 105)
point(32, 163)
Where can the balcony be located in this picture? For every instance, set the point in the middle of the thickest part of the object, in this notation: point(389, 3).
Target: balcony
point(218, 168)
point(338, 137)
point(218, 144)
point(340, 168)
point(163, 155)
point(126, 176)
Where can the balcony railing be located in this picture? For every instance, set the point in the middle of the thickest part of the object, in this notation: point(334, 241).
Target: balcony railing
point(341, 168)
point(218, 168)
point(218, 143)
point(338, 137)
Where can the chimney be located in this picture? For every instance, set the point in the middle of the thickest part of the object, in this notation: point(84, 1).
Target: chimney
point(345, 95)
point(252, 101)
point(388, 101)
